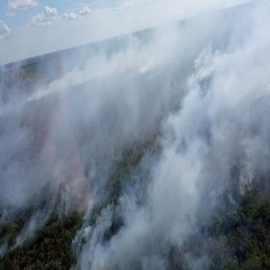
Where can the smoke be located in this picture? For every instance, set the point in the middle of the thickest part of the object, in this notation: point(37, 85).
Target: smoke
point(151, 128)
point(220, 130)
point(64, 135)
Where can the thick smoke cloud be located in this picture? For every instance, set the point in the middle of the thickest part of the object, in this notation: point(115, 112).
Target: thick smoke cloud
point(221, 129)
point(65, 135)
point(198, 89)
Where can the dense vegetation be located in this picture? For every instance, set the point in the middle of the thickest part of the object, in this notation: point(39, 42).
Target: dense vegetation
point(245, 234)
point(50, 248)
point(235, 237)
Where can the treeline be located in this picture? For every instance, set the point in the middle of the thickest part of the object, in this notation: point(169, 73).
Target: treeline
point(236, 236)
point(50, 249)
point(245, 234)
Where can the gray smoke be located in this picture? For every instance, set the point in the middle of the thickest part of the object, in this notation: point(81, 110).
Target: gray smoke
point(220, 129)
point(196, 91)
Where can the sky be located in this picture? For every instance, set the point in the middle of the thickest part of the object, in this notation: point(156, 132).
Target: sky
point(34, 27)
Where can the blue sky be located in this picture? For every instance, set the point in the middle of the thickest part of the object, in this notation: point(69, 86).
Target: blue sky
point(16, 19)
point(34, 27)
point(22, 17)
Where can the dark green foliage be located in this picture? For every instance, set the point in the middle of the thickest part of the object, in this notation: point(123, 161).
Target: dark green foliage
point(245, 233)
point(116, 225)
point(130, 160)
point(121, 176)
point(235, 236)
point(50, 249)
point(9, 232)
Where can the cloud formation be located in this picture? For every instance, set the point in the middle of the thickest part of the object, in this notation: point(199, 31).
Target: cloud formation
point(70, 16)
point(45, 18)
point(5, 31)
point(84, 11)
point(18, 5)
point(76, 15)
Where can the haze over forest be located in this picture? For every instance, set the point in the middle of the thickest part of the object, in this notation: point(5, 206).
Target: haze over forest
point(148, 147)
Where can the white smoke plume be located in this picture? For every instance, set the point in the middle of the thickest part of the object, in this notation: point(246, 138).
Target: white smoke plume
point(222, 124)
point(197, 89)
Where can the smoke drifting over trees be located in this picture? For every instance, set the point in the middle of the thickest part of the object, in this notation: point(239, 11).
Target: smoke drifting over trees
point(152, 138)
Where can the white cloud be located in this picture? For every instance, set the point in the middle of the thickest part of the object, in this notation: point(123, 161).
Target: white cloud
point(45, 18)
point(50, 12)
point(21, 4)
point(5, 31)
point(84, 11)
point(73, 16)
